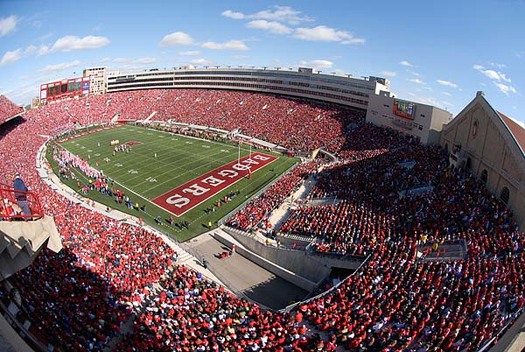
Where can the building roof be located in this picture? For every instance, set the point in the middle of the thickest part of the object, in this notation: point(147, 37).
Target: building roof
point(518, 132)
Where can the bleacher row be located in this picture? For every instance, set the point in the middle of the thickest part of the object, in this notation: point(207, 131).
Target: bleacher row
point(79, 298)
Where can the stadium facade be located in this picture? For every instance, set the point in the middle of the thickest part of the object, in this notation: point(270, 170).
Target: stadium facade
point(302, 83)
point(97, 79)
point(491, 146)
point(422, 121)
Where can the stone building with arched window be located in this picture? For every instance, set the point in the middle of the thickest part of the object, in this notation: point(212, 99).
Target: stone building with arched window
point(491, 146)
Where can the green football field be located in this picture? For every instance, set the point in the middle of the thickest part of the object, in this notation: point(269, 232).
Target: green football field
point(159, 162)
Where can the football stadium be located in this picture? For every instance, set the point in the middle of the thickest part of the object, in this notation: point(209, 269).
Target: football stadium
point(220, 219)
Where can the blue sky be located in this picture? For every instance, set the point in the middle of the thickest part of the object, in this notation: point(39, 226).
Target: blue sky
point(435, 52)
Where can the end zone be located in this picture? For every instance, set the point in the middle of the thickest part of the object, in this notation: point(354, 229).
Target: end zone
point(187, 196)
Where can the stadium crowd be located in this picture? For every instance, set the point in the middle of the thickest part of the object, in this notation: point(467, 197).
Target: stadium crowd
point(8, 109)
point(259, 209)
point(79, 298)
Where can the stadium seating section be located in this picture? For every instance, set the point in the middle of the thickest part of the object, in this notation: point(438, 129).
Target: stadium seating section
point(79, 298)
point(8, 109)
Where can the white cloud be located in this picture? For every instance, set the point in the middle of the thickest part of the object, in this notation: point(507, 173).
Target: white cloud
point(505, 89)
point(43, 50)
point(447, 83)
point(229, 45)
point(406, 63)
point(417, 81)
point(201, 62)
point(233, 14)
point(497, 78)
point(447, 94)
point(282, 14)
point(45, 36)
point(495, 64)
point(7, 25)
point(11, 56)
point(189, 53)
point(72, 42)
point(270, 26)
point(279, 13)
point(317, 64)
point(327, 34)
point(60, 67)
point(494, 75)
point(388, 73)
point(30, 50)
point(429, 101)
point(176, 38)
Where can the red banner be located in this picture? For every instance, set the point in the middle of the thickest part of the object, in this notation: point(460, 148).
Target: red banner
point(185, 197)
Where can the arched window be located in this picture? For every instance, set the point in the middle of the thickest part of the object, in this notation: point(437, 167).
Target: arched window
point(504, 196)
point(484, 176)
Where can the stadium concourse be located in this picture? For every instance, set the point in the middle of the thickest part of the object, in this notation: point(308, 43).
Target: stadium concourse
point(109, 272)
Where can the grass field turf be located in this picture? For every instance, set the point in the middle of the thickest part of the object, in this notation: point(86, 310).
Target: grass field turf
point(179, 159)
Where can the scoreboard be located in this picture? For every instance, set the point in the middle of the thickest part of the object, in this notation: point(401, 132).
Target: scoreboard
point(404, 109)
point(66, 88)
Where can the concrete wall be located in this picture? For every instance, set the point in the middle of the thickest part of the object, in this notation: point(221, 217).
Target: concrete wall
point(295, 261)
point(438, 120)
point(271, 267)
point(312, 267)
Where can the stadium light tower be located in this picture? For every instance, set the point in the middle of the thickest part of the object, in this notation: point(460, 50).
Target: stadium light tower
point(348, 75)
point(277, 68)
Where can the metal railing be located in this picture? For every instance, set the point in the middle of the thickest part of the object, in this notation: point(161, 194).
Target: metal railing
point(19, 205)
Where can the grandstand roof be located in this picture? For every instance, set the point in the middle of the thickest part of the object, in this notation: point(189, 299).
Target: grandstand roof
point(518, 132)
